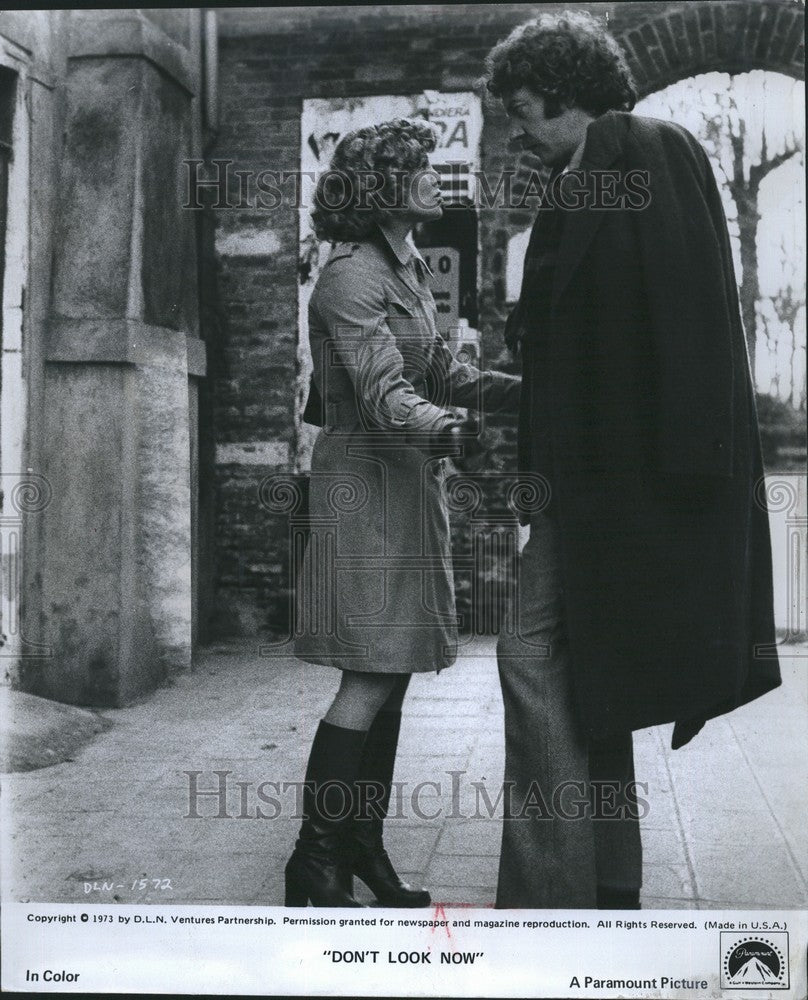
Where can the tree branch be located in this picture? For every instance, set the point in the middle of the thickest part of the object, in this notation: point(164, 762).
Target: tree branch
point(758, 171)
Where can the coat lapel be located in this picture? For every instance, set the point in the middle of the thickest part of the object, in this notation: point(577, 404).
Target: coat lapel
point(605, 140)
point(406, 278)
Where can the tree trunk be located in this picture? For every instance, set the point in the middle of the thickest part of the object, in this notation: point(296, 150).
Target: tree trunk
point(745, 195)
point(748, 219)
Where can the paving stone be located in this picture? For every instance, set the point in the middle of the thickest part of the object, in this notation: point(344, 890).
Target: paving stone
point(452, 895)
point(204, 876)
point(649, 902)
point(411, 772)
point(663, 847)
point(456, 708)
point(743, 874)
point(672, 881)
point(480, 837)
point(731, 804)
point(410, 848)
point(463, 869)
point(662, 809)
point(487, 762)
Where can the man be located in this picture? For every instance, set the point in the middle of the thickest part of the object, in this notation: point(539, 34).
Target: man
point(645, 588)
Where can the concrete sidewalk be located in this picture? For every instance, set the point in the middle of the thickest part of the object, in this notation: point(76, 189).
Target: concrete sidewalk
point(726, 827)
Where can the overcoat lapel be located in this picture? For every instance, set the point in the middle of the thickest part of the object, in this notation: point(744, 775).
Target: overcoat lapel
point(605, 140)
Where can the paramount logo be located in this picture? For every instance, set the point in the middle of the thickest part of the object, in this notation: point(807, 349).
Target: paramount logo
point(754, 962)
point(754, 971)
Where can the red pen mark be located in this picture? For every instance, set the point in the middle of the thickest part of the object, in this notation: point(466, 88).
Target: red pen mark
point(440, 914)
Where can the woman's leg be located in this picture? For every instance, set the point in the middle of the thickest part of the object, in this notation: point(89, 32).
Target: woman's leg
point(359, 698)
point(319, 869)
point(396, 696)
point(371, 862)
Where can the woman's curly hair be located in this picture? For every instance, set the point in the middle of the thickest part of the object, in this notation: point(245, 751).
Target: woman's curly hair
point(367, 177)
point(567, 58)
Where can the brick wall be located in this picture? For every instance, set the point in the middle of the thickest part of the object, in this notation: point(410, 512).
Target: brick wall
point(666, 42)
point(270, 59)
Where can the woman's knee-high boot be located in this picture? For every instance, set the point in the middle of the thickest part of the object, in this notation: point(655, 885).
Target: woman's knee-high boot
point(371, 862)
point(319, 868)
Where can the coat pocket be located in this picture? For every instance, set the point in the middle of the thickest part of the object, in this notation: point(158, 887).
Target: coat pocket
point(409, 322)
point(402, 305)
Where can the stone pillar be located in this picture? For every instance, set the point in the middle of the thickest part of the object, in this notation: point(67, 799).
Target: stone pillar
point(122, 343)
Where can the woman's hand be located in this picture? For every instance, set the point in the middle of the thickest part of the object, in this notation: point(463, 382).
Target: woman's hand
point(462, 443)
point(473, 451)
point(447, 442)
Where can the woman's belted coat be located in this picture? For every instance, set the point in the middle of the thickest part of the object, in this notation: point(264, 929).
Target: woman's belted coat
point(376, 589)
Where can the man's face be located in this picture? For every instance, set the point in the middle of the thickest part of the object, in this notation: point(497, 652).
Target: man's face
point(553, 140)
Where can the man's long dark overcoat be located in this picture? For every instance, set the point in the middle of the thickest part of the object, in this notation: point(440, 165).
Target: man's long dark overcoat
point(652, 445)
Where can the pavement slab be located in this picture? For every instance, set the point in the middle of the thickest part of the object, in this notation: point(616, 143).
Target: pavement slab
point(178, 798)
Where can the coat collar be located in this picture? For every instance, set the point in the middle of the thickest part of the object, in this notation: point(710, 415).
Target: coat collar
point(402, 246)
point(605, 141)
point(404, 250)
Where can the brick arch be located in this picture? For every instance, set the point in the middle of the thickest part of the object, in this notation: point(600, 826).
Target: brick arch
point(674, 41)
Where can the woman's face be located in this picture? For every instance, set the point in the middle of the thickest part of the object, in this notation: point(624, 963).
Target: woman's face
point(424, 198)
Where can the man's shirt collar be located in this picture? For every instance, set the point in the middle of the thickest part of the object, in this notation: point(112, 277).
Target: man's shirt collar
point(577, 156)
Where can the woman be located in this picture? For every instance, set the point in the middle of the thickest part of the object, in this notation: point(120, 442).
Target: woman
point(375, 595)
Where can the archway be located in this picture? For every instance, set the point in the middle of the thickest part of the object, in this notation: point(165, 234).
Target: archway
point(752, 126)
point(667, 43)
point(680, 40)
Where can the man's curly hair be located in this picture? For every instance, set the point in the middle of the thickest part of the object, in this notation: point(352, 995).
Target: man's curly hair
point(567, 58)
point(367, 178)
